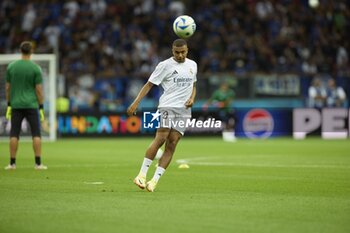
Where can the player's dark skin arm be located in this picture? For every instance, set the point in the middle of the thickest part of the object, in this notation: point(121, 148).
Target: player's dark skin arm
point(8, 88)
point(39, 93)
point(143, 92)
point(190, 101)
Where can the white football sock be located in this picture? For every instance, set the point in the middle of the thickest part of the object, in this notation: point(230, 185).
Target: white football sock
point(145, 165)
point(158, 173)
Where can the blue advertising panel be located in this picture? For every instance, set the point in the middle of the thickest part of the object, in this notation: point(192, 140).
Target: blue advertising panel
point(145, 123)
point(263, 122)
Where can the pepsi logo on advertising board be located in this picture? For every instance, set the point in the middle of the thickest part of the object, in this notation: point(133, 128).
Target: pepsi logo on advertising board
point(258, 123)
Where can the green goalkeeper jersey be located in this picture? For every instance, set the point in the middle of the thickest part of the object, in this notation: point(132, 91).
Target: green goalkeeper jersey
point(223, 96)
point(23, 76)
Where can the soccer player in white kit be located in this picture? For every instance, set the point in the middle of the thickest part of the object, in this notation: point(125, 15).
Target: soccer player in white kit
point(177, 76)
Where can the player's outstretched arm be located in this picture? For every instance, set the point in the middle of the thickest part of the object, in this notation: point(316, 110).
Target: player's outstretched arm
point(143, 92)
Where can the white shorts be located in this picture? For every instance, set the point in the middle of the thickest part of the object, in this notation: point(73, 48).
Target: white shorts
point(175, 118)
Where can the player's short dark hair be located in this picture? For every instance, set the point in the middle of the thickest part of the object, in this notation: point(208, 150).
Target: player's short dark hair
point(179, 43)
point(26, 47)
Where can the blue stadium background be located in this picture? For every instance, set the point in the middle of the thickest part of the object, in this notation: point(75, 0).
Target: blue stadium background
point(268, 51)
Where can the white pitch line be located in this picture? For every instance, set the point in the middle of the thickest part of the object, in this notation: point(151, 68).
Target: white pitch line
point(94, 182)
point(195, 161)
point(74, 166)
point(202, 161)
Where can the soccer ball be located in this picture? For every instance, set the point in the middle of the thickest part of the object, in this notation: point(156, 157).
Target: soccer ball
point(184, 26)
point(159, 153)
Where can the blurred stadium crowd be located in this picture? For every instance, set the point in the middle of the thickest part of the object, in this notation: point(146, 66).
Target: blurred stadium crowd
point(108, 48)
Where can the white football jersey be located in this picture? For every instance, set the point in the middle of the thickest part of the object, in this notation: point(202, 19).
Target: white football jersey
point(176, 79)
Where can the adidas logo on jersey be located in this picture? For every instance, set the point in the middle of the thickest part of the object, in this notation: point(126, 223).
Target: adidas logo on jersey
point(175, 72)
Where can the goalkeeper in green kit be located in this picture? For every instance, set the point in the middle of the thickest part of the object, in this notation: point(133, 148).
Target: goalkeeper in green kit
point(24, 95)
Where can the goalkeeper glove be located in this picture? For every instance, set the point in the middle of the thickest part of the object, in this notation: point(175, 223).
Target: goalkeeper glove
point(8, 112)
point(41, 112)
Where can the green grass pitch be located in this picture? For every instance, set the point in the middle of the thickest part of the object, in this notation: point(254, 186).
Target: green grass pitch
point(278, 185)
